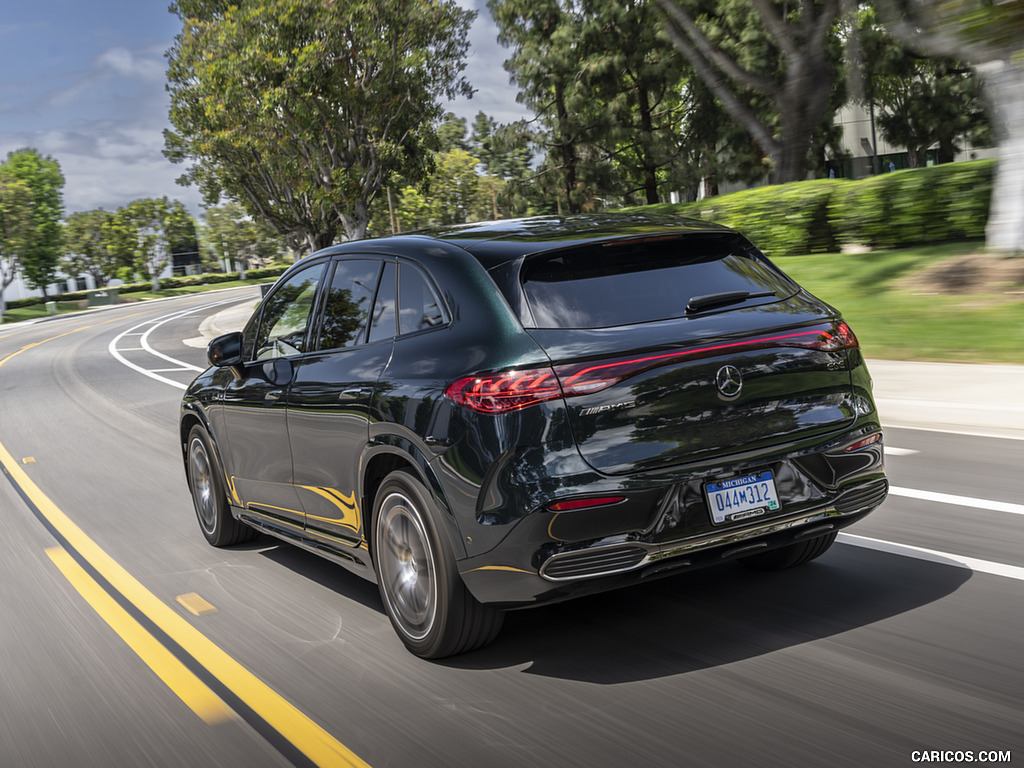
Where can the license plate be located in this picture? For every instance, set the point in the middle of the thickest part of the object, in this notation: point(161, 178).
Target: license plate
point(742, 498)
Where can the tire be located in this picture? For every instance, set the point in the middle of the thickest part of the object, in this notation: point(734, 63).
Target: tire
point(790, 556)
point(206, 482)
point(429, 607)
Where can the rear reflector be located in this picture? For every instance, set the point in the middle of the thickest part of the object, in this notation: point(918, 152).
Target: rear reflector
point(595, 501)
point(861, 444)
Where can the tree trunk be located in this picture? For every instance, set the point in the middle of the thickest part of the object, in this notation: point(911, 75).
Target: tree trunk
point(355, 223)
point(650, 169)
point(1004, 89)
point(568, 149)
point(319, 240)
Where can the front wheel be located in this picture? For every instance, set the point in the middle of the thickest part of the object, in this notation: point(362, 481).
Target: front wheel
point(790, 556)
point(205, 480)
point(424, 596)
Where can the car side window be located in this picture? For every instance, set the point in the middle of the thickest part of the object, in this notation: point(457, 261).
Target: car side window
point(285, 316)
point(383, 324)
point(347, 303)
point(419, 308)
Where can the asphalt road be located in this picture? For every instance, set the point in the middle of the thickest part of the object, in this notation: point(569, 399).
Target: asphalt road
point(125, 640)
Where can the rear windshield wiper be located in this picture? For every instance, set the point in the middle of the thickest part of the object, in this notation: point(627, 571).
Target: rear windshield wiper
point(712, 300)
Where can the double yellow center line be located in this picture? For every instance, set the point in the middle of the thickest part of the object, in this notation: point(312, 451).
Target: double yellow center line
point(311, 742)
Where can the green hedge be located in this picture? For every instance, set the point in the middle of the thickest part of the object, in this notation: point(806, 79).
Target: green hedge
point(922, 205)
point(19, 303)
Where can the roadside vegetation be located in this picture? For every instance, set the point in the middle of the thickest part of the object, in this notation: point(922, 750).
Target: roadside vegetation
point(932, 302)
point(945, 303)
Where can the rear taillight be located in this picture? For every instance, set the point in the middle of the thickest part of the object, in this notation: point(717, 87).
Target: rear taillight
point(508, 391)
point(840, 336)
point(512, 390)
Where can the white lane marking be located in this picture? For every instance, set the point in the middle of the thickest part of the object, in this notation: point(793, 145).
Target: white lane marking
point(182, 365)
point(891, 451)
point(960, 501)
point(934, 556)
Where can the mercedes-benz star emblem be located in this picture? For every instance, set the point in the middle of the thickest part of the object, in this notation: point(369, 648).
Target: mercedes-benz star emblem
point(729, 380)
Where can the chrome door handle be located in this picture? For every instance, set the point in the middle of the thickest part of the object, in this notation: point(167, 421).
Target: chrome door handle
point(352, 394)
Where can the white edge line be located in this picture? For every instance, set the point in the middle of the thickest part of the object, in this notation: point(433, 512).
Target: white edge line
point(961, 501)
point(934, 556)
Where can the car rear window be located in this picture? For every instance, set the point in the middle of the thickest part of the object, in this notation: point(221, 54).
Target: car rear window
point(604, 285)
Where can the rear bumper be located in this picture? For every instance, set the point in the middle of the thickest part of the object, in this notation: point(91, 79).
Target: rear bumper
point(501, 579)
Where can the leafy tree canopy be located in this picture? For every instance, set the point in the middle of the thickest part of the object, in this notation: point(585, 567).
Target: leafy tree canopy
point(40, 251)
point(301, 110)
point(87, 248)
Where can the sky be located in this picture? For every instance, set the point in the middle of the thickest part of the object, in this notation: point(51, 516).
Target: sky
point(84, 82)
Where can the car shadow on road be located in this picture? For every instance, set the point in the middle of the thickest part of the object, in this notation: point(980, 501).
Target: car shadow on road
point(712, 617)
point(347, 585)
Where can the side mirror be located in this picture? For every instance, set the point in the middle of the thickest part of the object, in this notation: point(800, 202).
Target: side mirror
point(225, 351)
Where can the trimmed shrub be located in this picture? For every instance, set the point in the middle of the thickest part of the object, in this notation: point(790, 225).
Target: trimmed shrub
point(20, 303)
point(782, 220)
point(259, 274)
point(921, 205)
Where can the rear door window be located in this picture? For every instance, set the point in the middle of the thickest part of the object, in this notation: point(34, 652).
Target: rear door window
point(347, 303)
point(605, 285)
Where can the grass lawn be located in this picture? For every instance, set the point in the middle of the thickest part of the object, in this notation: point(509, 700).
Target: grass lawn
point(897, 318)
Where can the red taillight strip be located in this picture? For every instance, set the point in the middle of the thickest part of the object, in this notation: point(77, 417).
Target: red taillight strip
point(511, 390)
point(570, 374)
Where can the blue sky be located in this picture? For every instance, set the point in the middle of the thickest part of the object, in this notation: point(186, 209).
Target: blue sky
point(84, 83)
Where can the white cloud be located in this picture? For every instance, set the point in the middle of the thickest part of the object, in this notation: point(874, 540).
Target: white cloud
point(132, 65)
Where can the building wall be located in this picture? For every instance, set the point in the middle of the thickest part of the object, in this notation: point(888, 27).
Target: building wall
point(855, 121)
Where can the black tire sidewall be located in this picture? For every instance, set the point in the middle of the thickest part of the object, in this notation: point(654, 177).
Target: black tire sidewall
point(218, 535)
point(442, 561)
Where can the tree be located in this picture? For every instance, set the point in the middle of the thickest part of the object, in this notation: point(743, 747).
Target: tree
point(87, 246)
point(629, 68)
point(544, 64)
point(302, 110)
point(989, 36)
point(15, 228)
point(146, 228)
point(921, 100)
point(40, 253)
point(229, 234)
point(454, 187)
point(770, 63)
point(451, 134)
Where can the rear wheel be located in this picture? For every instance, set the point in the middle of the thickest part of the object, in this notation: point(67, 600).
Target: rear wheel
point(790, 556)
point(428, 605)
point(205, 480)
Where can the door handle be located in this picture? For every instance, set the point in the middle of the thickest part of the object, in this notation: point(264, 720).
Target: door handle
point(352, 394)
point(274, 394)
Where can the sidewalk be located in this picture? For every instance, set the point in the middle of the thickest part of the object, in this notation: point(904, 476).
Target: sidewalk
point(949, 397)
point(953, 397)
